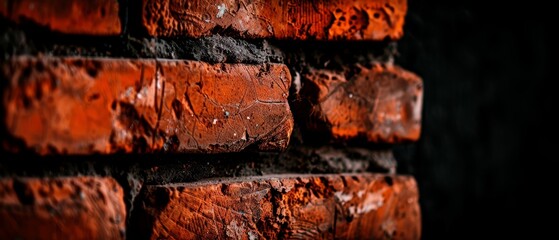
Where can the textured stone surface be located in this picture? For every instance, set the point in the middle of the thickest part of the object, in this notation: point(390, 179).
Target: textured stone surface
point(97, 105)
point(378, 104)
point(291, 19)
point(99, 17)
point(61, 208)
point(365, 206)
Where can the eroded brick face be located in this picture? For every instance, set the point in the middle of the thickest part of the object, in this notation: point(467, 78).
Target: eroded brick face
point(61, 208)
point(98, 17)
point(365, 206)
point(202, 80)
point(293, 19)
point(381, 104)
point(100, 105)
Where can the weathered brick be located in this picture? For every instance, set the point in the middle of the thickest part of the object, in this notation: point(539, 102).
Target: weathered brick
point(292, 19)
point(365, 206)
point(82, 106)
point(61, 208)
point(99, 17)
point(380, 104)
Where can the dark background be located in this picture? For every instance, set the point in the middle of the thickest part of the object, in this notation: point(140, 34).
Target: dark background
point(486, 150)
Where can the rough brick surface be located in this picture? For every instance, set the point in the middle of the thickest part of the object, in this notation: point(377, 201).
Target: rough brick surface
point(82, 106)
point(61, 208)
point(380, 104)
point(365, 206)
point(99, 17)
point(292, 19)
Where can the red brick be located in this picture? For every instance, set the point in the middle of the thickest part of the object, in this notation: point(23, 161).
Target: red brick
point(98, 17)
point(82, 106)
point(381, 104)
point(291, 19)
point(365, 206)
point(61, 208)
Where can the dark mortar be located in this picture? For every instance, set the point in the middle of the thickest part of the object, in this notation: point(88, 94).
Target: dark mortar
point(36, 40)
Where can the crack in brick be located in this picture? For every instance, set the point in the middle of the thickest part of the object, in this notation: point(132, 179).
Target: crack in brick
point(370, 20)
point(144, 114)
point(377, 104)
point(289, 207)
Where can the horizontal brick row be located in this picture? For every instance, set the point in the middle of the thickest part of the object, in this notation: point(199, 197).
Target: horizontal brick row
point(61, 208)
point(98, 17)
point(100, 105)
point(291, 19)
point(365, 206)
point(339, 19)
point(378, 104)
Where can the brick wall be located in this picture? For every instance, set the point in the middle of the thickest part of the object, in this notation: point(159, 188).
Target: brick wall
point(205, 119)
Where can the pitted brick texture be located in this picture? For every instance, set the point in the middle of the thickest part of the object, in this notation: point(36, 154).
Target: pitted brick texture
point(380, 104)
point(98, 17)
point(365, 206)
point(61, 208)
point(292, 19)
point(99, 105)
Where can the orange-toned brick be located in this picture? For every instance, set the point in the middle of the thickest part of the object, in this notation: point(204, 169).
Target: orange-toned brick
point(100, 105)
point(289, 19)
point(99, 17)
point(381, 104)
point(365, 206)
point(61, 208)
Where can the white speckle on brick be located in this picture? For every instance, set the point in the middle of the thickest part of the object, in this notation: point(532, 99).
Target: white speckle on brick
point(297, 82)
point(221, 10)
point(417, 107)
point(343, 198)
point(360, 193)
point(372, 201)
point(142, 93)
point(252, 235)
point(128, 91)
point(234, 231)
